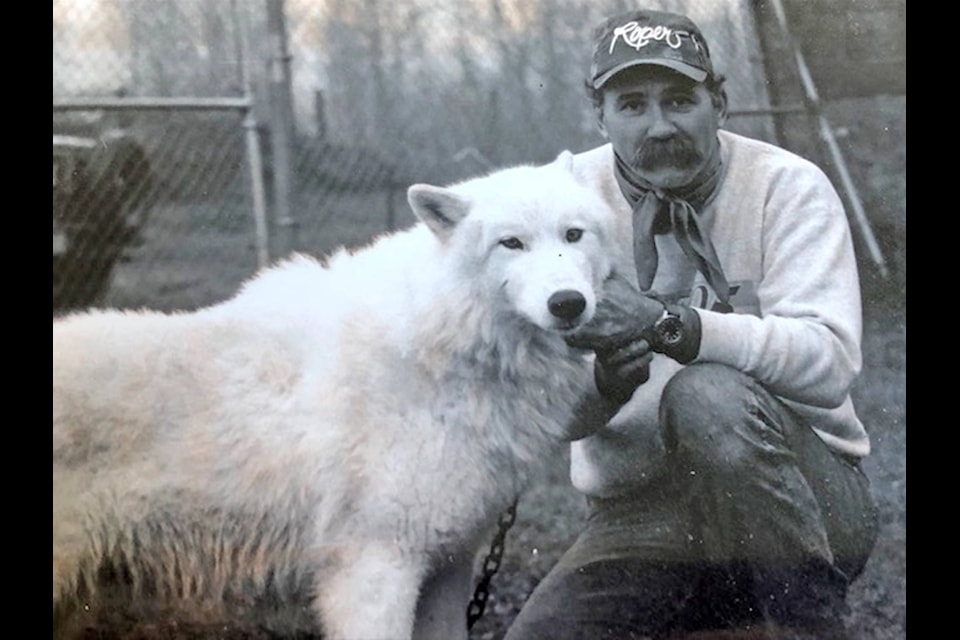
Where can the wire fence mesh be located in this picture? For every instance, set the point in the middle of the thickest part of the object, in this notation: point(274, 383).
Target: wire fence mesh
point(155, 205)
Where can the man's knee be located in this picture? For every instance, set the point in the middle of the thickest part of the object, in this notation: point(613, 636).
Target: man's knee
point(711, 415)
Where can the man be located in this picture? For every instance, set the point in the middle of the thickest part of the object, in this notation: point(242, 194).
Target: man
point(724, 483)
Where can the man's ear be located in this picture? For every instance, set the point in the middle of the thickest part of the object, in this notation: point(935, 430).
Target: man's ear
point(720, 106)
point(601, 125)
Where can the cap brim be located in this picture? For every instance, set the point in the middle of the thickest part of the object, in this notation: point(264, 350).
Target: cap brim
point(695, 74)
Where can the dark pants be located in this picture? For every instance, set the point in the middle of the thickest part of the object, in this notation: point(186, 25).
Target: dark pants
point(756, 526)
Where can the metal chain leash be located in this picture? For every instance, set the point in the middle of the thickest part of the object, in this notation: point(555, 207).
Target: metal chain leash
point(491, 564)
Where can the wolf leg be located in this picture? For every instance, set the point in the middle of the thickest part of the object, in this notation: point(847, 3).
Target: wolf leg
point(371, 594)
point(442, 609)
point(71, 544)
point(73, 591)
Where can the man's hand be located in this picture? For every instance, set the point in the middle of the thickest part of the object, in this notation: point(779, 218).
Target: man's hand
point(616, 333)
point(617, 374)
point(623, 315)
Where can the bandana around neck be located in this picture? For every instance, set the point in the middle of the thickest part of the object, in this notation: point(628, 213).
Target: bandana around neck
point(663, 210)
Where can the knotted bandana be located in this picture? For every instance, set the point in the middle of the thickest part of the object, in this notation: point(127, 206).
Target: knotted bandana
point(658, 211)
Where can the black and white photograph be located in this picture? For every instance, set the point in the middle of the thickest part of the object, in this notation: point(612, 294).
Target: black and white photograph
point(479, 320)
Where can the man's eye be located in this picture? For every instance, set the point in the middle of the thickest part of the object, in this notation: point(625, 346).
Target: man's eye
point(512, 243)
point(574, 235)
point(682, 102)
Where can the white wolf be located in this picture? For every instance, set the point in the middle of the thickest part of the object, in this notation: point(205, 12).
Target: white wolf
point(337, 438)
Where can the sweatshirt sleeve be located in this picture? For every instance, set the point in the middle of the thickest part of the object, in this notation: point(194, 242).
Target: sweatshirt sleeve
point(805, 344)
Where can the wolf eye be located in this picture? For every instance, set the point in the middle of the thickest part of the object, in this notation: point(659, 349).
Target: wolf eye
point(512, 243)
point(574, 235)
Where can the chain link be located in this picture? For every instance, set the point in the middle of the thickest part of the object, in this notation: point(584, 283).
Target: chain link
point(491, 564)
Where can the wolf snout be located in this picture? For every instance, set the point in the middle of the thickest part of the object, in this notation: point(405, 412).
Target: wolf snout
point(567, 304)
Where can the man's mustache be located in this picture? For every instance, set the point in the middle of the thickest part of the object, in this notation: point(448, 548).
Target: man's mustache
point(677, 152)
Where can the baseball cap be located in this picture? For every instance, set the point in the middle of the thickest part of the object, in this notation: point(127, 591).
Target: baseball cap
point(649, 37)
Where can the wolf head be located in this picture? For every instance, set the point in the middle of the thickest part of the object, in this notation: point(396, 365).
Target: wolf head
point(532, 238)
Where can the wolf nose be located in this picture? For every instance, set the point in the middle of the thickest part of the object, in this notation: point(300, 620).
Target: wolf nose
point(567, 304)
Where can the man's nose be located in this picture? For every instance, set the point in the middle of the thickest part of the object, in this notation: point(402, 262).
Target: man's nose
point(661, 126)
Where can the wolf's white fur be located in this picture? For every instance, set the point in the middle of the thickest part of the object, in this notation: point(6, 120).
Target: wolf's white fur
point(347, 431)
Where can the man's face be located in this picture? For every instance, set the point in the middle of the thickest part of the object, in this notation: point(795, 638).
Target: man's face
point(661, 123)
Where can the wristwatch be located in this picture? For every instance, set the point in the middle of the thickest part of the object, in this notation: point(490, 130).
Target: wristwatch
point(667, 332)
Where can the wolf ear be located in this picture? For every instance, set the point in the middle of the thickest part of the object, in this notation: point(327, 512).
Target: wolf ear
point(440, 209)
point(565, 161)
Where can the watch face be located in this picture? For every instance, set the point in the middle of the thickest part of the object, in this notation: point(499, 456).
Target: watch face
point(669, 331)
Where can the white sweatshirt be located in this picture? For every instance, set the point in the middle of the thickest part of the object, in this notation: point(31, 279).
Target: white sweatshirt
point(784, 243)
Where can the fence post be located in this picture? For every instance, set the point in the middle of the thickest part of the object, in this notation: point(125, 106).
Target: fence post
point(811, 94)
point(254, 159)
point(281, 128)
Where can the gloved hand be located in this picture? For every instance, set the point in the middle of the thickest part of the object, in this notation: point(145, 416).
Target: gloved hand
point(617, 335)
point(618, 373)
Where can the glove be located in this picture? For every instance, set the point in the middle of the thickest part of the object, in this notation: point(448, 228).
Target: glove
point(617, 335)
point(618, 373)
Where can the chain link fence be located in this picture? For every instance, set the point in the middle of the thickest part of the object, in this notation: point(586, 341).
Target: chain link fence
point(196, 140)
